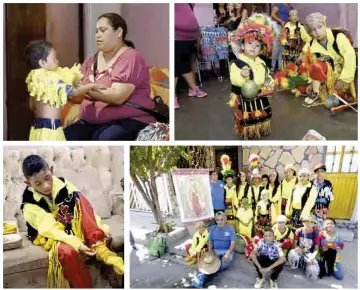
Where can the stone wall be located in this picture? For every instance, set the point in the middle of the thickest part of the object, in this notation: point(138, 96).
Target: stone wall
point(276, 157)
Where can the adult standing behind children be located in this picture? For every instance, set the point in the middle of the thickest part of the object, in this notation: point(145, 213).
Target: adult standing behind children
point(217, 192)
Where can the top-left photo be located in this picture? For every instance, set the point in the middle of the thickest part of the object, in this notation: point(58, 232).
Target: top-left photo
point(86, 72)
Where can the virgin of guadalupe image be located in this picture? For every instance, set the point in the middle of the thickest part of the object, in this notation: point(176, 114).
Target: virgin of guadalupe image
point(195, 199)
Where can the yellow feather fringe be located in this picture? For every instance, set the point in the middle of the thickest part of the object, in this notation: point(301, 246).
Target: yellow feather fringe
point(232, 100)
point(108, 257)
point(9, 229)
point(255, 131)
point(44, 85)
point(55, 277)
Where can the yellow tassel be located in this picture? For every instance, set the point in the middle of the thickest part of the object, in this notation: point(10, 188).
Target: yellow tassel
point(108, 257)
point(284, 83)
point(9, 229)
point(246, 115)
point(330, 81)
point(55, 276)
point(76, 223)
point(232, 100)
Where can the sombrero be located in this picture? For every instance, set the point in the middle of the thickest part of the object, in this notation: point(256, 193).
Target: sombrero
point(209, 263)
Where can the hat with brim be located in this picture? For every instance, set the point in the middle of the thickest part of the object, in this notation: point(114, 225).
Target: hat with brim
point(281, 219)
point(255, 175)
point(320, 166)
point(209, 263)
point(309, 219)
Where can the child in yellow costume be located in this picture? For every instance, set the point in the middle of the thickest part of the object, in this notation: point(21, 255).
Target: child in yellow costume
point(264, 213)
point(302, 200)
point(286, 187)
point(256, 189)
point(274, 191)
point(251, 80)
point(331, 59)
point(283, 234)
point(243, 188)
point(198, 244)
point(245, 216)
point(60, 219)
point(49, 87)
point(231, 200)
point(293, 38)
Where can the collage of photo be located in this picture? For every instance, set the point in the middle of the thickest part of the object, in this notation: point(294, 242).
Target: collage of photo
point(222, 145)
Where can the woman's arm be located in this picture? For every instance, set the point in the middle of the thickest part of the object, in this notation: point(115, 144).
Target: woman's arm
point(116, 95)
point(274, 11)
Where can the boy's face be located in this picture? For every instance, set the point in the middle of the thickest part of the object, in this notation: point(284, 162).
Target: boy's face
point(293, 16)
point(42, 182)
point(304, 178)
point(256, 180)
point(308, 225)
point(200, 228)
point(289, 173)
point(268, 237)
point(320, 174)
point(329, 225)
point(318, 31)
point(252, 48)
point(272, 177)
point(229, 180)
point(51, 62)
point(245, 203)
point(243, 177)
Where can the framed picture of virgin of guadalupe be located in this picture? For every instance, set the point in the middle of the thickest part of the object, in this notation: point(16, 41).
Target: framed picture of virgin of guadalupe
point(192, 188)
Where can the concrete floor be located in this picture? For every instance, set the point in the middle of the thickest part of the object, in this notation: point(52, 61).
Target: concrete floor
point(211, 119)
point(172, 272)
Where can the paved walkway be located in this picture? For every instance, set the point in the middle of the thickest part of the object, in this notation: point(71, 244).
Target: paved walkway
point(171, 272)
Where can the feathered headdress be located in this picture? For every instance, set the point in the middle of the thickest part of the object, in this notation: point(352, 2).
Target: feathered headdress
point(226, 166)
point(257, 27)
point(254, 162)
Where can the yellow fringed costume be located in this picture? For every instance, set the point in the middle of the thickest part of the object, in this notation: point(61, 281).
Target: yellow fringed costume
point(58, 224)
point(52, 88)
point(231, 205)
point(245, 218)
point(197, 246)
point(340, 66)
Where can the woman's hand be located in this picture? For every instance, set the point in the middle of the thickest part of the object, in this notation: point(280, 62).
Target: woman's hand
point(98, 87)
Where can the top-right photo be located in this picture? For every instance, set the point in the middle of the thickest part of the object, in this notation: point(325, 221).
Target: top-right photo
point(271, 71)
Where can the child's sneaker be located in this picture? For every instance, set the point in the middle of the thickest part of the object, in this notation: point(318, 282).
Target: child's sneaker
point(177, 106)
point(259, 283)
point(273, 284)
point(197, 93)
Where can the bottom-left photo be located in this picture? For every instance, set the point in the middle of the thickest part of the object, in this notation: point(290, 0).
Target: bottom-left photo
point(63, 217)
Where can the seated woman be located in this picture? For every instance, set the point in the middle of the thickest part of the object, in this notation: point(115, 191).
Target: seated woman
point(198, 244)
point(331, 61)
point(105, 115)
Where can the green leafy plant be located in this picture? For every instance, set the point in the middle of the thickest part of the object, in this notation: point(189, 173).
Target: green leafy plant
point(146, 164)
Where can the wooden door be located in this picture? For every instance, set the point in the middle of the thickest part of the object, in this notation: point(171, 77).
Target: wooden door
point(24, 23)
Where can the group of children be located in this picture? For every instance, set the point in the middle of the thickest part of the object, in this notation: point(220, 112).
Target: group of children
point(321, 61)
point(289, 219)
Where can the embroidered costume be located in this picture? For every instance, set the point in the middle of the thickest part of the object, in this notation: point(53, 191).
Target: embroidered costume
point(263, 217)
point(197, 246)
point(52, 88)
point(336, 61)
point(293, 38)
point(300, 203)
point(286, 239)
point(252, 109)
point(286, 189)
point(61, 224)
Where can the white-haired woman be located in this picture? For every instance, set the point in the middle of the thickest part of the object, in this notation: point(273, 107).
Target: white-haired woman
point(302, 200)
point(332, 59)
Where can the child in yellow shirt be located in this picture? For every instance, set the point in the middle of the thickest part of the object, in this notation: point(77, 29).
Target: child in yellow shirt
point(198, 244)
point(245, 216)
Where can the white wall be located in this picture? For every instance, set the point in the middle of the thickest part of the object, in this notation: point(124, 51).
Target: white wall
point(91, 14)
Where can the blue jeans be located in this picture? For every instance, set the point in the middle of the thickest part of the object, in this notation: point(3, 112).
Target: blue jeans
point(276, 56)
point(221, 255)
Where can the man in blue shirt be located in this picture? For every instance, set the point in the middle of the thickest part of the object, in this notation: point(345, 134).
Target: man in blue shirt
point(217, 192)
point(222, 240)
point(280, 14)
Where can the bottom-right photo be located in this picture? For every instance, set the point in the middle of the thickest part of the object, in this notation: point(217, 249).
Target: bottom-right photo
point(244, 216)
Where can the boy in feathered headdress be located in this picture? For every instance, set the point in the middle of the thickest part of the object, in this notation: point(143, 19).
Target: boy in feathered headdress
point(231, 200)
point(49, 87)
point(251, 80)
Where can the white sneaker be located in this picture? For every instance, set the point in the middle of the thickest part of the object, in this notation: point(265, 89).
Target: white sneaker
point(259, 283)
point(273, 284)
